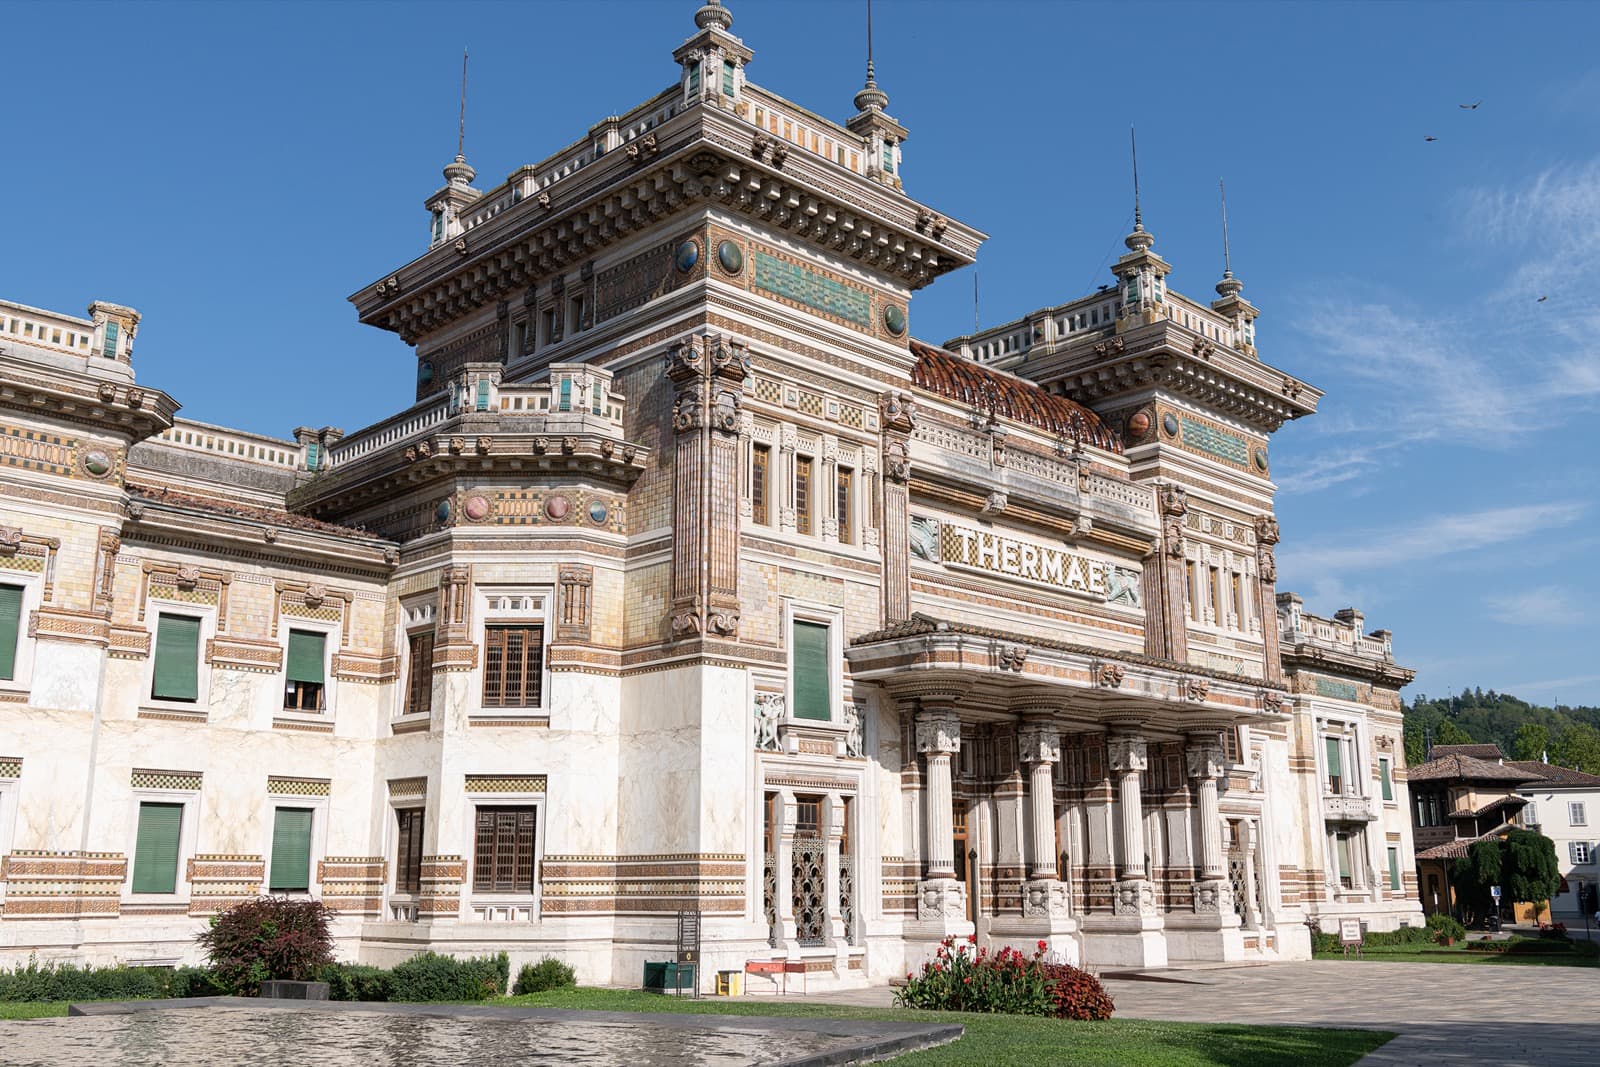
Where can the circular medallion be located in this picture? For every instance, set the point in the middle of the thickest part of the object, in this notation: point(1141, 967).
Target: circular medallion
point(97, 464)
point(686, 256)
point(1139, 424)
point(598, 512)
point(442, 512)
point(1169, 423)
point(477, 508)
point(424, 373)
point(1261, 460)
point(894, 319)
point(557, 508)
point(729, 257)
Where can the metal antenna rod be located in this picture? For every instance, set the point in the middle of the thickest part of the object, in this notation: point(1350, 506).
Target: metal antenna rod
point(869, 40)
point(1227, 262)
point(461, 132)
point(1133, 140)
point(976, 323)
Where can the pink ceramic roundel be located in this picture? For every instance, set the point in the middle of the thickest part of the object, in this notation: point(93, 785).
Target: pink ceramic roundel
point(557, 507)
point(477, 508)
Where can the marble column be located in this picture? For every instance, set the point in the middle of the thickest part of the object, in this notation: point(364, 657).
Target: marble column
point(939, 895)
point(1135, 892)
point(786, 931)
point(1211, 891)
point(1044, 895)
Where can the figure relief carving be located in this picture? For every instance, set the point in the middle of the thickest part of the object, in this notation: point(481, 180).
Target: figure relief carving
point(1266, 563)
point(1128, 755)
point(1012, 657)
point(899, 411)
point(896, 462)
point(1174, 499)
point(1122, 587)
point(1266, 529)
point(1174, 537)
point(994, 503)
point(938, 732)
point(315, 595)
point(923, 537)
point(855, 718)
point(1110, 675)
point(10, 540)
point(187, 578)
point(1194, 689)
point(768, 714)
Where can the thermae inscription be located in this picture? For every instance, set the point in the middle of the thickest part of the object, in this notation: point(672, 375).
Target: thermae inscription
point(983, 550)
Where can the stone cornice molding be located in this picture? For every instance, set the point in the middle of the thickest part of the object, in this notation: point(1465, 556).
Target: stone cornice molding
point(123, 410)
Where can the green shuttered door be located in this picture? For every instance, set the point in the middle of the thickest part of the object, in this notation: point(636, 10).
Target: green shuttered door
point(811, 671)
point(291, 850)
point(177, 674)
point(10, 625)
point(155, 853)
point(1332, 744)
point(305, 656)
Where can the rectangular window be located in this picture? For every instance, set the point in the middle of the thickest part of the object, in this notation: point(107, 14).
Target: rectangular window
point(1342, 848)
point(760, 484)
point(10, 629)
point(519, 337)
point(1394, 869)
point(1575, 813)
point(888, 159)
point(177, 658)
point(844, 480)
point(694, 79)
point(575, 314)
point(408, 850)
point(1238, 600)
point(110, 350)
point(1215, 574)
point(802, 494)
point(305, 680)
point(1579, 851)
point(291, 851)
point(547, 333)
point(727, 77)
point(1230, 745)
point(419, 686)
point(812, 698)
point(595, 406)
point(1194, 589)
point(155, 850)
point(565, 401)
point(1335, 778)
point(513, 666)
point(503, 853)
point(1385, 779)
point(1530, 814)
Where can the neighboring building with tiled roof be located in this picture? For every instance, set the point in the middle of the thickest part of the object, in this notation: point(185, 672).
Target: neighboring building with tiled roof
point(1484, 752)
point(1564, 805)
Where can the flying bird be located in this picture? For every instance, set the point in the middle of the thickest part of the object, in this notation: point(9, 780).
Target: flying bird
point(1469, 107)
point(1430, 138)
point(1542, 299)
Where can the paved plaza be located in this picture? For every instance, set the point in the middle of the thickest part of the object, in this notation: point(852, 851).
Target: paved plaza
point(1444, 1013)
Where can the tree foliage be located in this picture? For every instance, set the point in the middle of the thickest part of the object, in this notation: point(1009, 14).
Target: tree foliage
point(1571, 735)
point(1531, 871)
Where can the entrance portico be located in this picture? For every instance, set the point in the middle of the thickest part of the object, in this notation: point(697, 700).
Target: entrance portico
point(1091, 783)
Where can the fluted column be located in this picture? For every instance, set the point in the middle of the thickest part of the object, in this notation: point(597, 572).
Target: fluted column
point(938, 740)
point(1135, 892)
point(1039, 749)
point(1211, 890)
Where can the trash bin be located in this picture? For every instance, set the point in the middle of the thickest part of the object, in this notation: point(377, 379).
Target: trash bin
point(661, 977)
point(730, 983)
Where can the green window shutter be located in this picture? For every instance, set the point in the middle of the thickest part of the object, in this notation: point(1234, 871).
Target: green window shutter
point(155, 851)
point(1394, 868)
point(10, 627)
point(313, 456)
point(1388, 783)
point(566, 395)
point(291, 850)
point(483, 394)
point(811, 697)
point(694, 79)
point(305, 656)
point(1342, 844)
point(110, 350)
point(177, 667)
point(727, 77)
point(1332, 746)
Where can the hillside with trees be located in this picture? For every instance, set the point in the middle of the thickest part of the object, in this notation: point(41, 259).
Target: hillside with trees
point(1569, 735)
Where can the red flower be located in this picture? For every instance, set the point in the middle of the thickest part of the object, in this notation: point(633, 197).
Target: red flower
point(972, 939)
point(967, 980)
point(1043, 945)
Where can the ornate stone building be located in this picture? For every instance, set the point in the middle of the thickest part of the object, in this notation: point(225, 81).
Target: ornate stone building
point(690, 580)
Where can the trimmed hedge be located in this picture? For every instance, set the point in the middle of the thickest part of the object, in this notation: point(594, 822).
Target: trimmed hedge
point(1443, 926)
point(1535, 946)
point(356, 981)
point(548, 973)
point(432, 977)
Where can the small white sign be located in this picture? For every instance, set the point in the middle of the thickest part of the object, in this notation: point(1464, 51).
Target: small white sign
point(1494, 891)
point(1349, 931)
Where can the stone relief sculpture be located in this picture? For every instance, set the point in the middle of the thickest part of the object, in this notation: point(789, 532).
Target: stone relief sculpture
point(924, 538)
point(769, 713)
point(1122, 587)
point(855, 719)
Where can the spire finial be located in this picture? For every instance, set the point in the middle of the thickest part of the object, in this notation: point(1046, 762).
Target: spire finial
point(1227, 260)
point(871, 98)
point(713, 14)
point(1133, 142)
point(461, 130)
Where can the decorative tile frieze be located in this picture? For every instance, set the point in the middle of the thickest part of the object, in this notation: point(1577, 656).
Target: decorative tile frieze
point(184, 780)
point(34, 450)
point(261, 657)
point(217, 881)
point(372, 670)
point(10, 766)
point(408, 787)
point(505, 783)
point(129, 642)
point(42, 884)
point(798, 284)
point(61, 625)
point(185, 584)
point(297, 787)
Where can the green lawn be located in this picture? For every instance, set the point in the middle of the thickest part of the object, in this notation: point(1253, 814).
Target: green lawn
point(1018, 1041)
point(1461, 954)
point(31, 1009)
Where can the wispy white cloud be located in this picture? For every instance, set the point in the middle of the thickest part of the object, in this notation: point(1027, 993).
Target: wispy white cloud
point(1428, 539)
point(1545, 605)
point(1326, 468)
point(1552, 683)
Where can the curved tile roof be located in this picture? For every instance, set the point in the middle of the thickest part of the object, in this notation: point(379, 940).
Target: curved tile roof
point(954, 378)
point(1467, 769)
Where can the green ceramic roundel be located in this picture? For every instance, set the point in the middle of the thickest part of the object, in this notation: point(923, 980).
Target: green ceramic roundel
point(686, 256)
point(1169, 423)
point(442, 512)
point(730, 257)
point(894, 319)
point(1261, 459)
point(97, 464)
point(424, 373)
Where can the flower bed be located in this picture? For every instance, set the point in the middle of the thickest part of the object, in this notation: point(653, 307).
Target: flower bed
point(963, 977)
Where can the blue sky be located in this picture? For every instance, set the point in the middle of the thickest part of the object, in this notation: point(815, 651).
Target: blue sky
point(235, 170)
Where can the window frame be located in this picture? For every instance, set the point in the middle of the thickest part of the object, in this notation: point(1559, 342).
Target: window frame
point(331, 633)
point(32, 585)
point(408, 707)
point(515, 891)
point(805, 520)
point(1386, 790)
point(844, 502)
point(539, 613)
point(411, 807)
point(155, 607)
point(188, 836)
point(761, 475)
point(318, 806)
point(833, 618)
point(1576, 813)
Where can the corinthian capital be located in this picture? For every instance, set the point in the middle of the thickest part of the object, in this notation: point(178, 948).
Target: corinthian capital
point(1038, 743)
point(938, 732)
point(1127, 753)
point(1205, 759)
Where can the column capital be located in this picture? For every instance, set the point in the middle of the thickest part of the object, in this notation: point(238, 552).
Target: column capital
point(1038, 742)
point(1128, 754)
point(1205, 757)
point(938, 733)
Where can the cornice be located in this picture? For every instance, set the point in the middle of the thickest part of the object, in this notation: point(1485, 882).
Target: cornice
point(121, 410)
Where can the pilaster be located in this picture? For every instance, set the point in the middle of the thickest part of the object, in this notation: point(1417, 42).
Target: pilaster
point(899, 418)
point(1166, 627)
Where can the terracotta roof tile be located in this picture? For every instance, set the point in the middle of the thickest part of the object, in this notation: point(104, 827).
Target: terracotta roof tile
point(955, 378)
point(1489, 752)
point(1466, 768)
point(254, 512)
point(1556, 775)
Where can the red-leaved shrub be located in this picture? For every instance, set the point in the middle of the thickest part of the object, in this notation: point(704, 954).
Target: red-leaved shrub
point(270, 938)
point(1077, 994)
point(963, 977)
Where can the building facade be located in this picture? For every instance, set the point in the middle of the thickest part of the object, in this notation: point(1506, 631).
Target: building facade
point(1564, 805)
point(691, 580)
